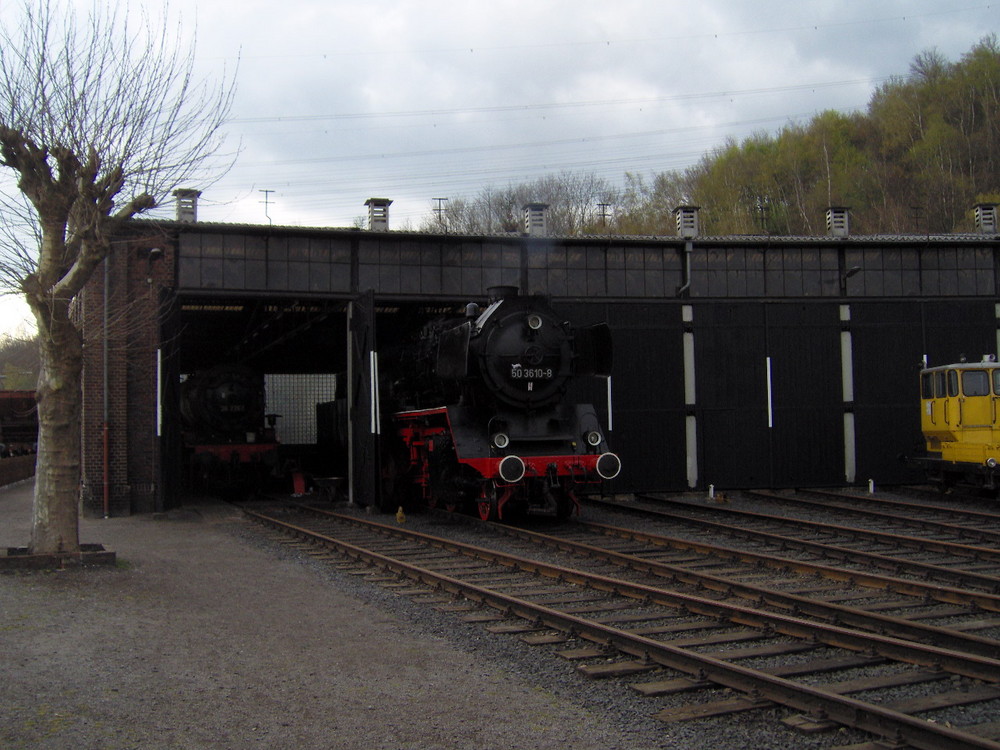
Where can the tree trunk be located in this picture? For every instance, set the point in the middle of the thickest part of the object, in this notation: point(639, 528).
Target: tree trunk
point(55, 522)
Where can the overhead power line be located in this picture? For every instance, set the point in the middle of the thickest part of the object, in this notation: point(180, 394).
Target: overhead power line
point(562, 105)
point(492, 147)
point(597, 42)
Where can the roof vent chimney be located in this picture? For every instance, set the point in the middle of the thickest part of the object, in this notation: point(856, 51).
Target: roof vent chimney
point(536, 219)
point(986, 218)
point(378, 214)
point(838, 221)
point(187, 204)
point(687, 221)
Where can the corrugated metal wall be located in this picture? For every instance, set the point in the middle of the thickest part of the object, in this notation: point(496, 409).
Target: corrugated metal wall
point(649, 394)
point(779, 393)
point(890, 340)
point(806, 394)
point(730, 349)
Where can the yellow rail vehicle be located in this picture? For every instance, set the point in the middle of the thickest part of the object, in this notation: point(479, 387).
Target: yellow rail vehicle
point(958, 418)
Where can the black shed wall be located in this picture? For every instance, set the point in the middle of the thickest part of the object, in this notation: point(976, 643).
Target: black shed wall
point(731, 397)
point(786, 392)
point(649, 394)
point(769, 396)
point(647, 390)
point(807, 405)
point(890, 340)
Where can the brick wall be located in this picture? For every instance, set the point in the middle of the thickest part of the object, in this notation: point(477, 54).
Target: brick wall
point(128, 335)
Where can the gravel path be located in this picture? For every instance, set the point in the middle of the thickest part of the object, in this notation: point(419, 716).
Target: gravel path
point(206, 635)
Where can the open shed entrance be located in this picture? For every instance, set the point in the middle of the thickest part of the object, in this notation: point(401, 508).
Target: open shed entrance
point(282, 392)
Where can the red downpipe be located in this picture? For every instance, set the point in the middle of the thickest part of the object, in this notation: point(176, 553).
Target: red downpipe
point(106, 426)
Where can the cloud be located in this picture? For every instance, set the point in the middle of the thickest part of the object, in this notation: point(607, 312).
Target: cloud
point(15, 316)
point(340, 101)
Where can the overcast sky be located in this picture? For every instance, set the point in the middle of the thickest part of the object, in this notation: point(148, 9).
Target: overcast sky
point(341, 101)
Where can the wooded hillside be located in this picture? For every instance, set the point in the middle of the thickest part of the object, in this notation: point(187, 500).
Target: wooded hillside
point(922, 154)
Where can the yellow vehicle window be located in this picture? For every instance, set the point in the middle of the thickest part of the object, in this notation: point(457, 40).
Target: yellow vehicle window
point(952, 383)
point(939, 390)
point(975, 383)
point(926, 385)
point(996, 381)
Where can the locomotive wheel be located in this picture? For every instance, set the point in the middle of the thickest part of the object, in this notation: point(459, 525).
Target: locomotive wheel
point(564, 506)
point(450, 488)
point(489, 507)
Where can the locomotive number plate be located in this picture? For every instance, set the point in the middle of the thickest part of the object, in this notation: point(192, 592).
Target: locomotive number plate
point(531, 373)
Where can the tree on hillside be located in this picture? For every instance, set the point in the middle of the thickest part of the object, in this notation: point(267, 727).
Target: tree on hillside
point(101, 118)
point(574, 201)
point(923, 154)
point(926, 150)
point(648, 202)
point(18, 363)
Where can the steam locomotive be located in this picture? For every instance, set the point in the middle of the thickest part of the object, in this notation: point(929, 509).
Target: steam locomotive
point(229, 440)
point(484, 416)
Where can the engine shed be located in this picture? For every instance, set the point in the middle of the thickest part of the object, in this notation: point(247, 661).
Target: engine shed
point(751, 361)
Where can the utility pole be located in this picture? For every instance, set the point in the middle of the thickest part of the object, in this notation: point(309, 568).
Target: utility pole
point(603, 207)
point(440, 213)
point(267, 204)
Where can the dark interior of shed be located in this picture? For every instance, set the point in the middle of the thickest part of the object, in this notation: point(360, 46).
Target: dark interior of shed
point(298, 350)
point(269, 335)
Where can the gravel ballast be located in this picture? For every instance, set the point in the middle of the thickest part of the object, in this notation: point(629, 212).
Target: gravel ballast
point(208, 634)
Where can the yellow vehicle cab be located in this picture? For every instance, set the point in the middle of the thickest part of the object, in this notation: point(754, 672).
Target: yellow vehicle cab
point(958, 418)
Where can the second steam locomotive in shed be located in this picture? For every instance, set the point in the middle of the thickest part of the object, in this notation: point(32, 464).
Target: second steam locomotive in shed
point(487, 410)
point(229, 440)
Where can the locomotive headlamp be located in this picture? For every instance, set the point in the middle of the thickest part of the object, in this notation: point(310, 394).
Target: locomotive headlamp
point(593, 438)
point(991, 462)
point(534, 322)
point(501, 440)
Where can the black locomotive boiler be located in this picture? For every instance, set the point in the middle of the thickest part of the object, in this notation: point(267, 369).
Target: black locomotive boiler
point(484, 413)
point(229, 441)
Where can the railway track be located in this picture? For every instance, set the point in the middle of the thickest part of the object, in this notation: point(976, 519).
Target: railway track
point(877, 603)
point(933, 553)
point(949, 521)
point(686, 631)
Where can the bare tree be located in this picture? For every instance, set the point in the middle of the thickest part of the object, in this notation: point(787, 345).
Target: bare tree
point(101, 117)
point(574, 201)
point(18, 362)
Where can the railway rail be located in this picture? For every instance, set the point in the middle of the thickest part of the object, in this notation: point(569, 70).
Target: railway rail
point(958, 523)
point(829, 594)
point(926, 555)
point(658, 616)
